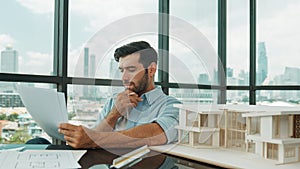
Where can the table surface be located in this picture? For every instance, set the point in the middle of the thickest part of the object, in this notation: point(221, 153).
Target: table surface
point(224, 157)
point(94, 157)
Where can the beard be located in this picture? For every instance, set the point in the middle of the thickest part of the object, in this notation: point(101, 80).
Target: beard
point(141, 86)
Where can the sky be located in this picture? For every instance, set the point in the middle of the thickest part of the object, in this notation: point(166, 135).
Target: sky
point(28, 26)
point(277, 26)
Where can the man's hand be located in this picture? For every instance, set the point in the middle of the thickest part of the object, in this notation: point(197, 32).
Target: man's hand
point(82, 137)
point(125, 101)
point(77, 136)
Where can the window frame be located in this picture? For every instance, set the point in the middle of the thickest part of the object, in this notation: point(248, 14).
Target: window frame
point(60, 58)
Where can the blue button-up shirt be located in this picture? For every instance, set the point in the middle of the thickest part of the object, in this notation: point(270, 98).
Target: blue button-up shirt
point(155, 107)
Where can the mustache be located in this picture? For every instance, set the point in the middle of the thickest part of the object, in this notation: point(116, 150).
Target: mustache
point(127, 82)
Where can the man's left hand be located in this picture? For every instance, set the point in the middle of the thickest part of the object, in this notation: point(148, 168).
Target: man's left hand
point(77, 136)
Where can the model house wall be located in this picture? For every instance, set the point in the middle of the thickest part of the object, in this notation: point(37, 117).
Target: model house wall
point(266, 127)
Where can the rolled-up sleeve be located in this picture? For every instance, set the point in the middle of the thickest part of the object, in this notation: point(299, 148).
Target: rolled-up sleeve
point(169, 118)
point(105, 110)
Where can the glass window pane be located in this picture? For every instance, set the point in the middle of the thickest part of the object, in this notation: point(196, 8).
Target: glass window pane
point(26, 36)
point(193, 41)
point(96, 31)
point(195, 96)
point(17, 126)
point(238, 42)
point(85, 102)
point(278, 34)
point(237, 97)
point(278, 98)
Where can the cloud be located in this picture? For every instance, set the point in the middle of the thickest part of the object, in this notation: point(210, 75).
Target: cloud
point(36, 63)
point(277, 26)
point(281, 34)
point(38, 6)
point(101, 13)
point(6, 40)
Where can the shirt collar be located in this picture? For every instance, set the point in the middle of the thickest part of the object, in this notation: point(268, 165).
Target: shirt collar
point(152, 95)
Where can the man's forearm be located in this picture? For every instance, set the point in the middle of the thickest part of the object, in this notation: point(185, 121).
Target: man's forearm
point(108, 124)
point(149, 134)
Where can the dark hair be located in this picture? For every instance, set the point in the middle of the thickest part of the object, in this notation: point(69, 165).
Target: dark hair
point(147, 53)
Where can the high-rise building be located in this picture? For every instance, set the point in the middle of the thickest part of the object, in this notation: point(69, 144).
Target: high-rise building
point(229, 72)
point(86, 70)
point(291, 76)
point(89, 71)
point(92, 72)
point(9, 60)
point(9, 64)
point(262, 63)
point(86, 62)
point(114, 71)
point(89, 64)
point(92, 65)
point(203, 78)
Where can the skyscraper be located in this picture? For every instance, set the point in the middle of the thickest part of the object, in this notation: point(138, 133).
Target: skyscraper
point(203, 78)
point(229, 72)
point(86, 62)
point(9, 64)
point(92, 72)
point(92, 65)
point(291, 76)
point(86, 70)
point(114, 71)
point(89, 71)
point(262, 63)
point(89, 64)
point(9, 60)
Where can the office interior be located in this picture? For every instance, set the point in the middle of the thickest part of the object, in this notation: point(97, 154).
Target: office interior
point(210, 51)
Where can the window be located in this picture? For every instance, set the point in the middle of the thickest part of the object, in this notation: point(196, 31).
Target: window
point(276, 121)
point(193, 55)
point(272, 151)
point(200, 96)
point(237, 42)
point(96, 30)
point(254, 126)
point(237, 96)
point(26, 37)
point(85, 102)
point(277, 37)
point(32, 46)
point(278, 97)
point(17, 125)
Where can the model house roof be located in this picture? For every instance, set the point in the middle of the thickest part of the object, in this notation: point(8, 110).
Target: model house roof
point(246, 110)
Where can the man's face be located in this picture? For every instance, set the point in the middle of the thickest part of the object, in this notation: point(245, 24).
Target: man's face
point(134, 75)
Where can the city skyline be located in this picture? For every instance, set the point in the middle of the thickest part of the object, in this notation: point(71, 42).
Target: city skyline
point(89, 65)
point(27, 47)
point(88, 22)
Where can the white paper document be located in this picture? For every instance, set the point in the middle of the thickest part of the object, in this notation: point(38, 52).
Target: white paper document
point(38, 159)
point(46, 106)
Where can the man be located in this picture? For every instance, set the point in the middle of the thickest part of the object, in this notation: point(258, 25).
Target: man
point(140, 115)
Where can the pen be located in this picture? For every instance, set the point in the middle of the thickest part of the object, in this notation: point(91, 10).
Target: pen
point(130, 157)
